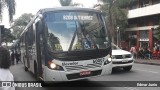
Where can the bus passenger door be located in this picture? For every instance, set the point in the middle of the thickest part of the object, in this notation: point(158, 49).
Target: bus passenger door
point(26, 55)
point(31, 47)
point(38, 64)
point(42, 54)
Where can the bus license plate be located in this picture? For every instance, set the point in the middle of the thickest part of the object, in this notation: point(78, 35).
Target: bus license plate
point(83, 73)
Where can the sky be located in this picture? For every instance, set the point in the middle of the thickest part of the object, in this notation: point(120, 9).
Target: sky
point(32, 6)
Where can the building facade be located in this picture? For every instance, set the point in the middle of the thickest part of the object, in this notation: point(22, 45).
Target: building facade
point(143, 18)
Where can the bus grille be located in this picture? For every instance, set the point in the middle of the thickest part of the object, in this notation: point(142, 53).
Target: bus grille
point(123, 56)
point(79, 67)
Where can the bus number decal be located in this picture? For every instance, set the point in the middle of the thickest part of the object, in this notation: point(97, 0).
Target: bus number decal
point(79, 17)
point(98, 61)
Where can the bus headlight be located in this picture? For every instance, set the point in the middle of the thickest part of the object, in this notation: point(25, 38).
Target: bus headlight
point(108, 61)
point(54, 66)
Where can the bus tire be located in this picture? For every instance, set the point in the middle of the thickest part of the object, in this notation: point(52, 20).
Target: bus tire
point(35, 70)
point(113, 70)
point(25, 68)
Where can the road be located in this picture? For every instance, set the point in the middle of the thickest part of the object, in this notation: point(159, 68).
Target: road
point(139, 72)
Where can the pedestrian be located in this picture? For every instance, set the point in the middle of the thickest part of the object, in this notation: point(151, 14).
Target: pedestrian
point(17, 57)
point(141, 53)
point(12, 57)
point(147, 53)
point(5, 74)
point(133, 51)
point(156, 47)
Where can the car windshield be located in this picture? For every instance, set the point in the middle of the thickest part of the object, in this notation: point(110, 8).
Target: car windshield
point(114, 47)
point(71, 31)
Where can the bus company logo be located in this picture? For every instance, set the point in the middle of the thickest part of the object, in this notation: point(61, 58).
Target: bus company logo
point(98, 61)
point(20, 84)
point(6, 84)
point(69, 64)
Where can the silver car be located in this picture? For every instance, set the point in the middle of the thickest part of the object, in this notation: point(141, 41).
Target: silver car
point(121, 58)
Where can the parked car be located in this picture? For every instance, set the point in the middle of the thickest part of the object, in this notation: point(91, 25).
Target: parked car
point(121, 58)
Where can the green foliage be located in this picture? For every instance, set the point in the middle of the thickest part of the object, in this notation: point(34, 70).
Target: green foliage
point(123, 3)
point(157, 34)
point(21, 23)
point(65, 2)
point(17, 31)
point(117, 3)
point(23, 20)
point(10, 4)
point(7, 36)
point(116, 14)
point(119, 14)
point(68, 3)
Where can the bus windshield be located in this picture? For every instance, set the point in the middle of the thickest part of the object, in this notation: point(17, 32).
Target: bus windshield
point(75, 31)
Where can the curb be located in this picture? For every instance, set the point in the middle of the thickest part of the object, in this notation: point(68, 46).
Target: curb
point(148, 63)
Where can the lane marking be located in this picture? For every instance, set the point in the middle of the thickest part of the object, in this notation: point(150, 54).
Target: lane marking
point(147, 71)
point(131, 88)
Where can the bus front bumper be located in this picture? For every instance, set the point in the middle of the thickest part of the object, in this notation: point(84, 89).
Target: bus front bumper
point(55, 75)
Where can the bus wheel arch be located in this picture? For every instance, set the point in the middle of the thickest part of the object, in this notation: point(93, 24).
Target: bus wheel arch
point(25, 67)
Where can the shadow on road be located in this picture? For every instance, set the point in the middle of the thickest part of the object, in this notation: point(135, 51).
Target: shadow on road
point(121, 71)
point(79, 83)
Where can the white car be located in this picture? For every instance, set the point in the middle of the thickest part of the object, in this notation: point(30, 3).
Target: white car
point(121, 58)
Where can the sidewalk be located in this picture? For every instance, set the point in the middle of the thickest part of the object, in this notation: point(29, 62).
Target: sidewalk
point(150, 62)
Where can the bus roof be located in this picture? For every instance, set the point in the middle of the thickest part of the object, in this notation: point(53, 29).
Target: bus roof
point(67, 8)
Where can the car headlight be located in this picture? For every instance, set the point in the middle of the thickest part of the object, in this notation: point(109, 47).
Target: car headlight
point(132, 56)
point(54, 66)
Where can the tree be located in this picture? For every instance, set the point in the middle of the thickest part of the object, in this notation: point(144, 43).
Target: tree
point(65, 2)
point(156, 32)
point(7, 36)
point(116, 15)
point(10, 4)
point(20, 24)
point(68, 3)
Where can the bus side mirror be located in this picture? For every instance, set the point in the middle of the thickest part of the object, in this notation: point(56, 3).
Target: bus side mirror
point(39, 26)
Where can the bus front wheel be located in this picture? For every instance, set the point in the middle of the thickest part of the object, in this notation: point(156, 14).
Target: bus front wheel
point(25, 68)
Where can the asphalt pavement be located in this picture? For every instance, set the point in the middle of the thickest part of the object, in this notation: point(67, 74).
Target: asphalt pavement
point(148, 61)
point(119, 79)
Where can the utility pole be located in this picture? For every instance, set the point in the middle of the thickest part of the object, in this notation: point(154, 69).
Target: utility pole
point(117, 36)
point(1, 30)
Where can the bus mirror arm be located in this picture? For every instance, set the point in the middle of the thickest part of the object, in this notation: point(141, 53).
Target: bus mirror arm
point(40, 16)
